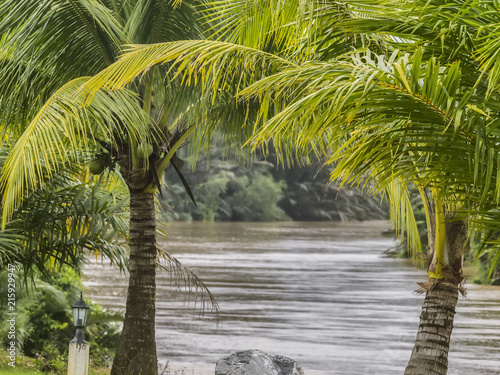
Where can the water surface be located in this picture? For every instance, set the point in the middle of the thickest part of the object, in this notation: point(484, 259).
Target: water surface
point(321, 293)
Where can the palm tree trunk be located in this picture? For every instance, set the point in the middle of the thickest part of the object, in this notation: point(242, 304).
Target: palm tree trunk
point(136, 353)
point(430, 353)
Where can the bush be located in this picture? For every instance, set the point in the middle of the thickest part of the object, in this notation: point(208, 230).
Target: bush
point(209, 196)
point(44, 323)
point(50, 360)
point(256, 199)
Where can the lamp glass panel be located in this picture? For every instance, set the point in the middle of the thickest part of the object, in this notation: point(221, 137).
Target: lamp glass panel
point(75, 316)
point(83, 315)
point(80, 314)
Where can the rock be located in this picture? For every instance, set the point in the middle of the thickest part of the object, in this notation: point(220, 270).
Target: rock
point(249, 362)
point(287, 366)
point(256, 362)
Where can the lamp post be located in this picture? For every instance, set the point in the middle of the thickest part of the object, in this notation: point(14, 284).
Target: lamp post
point(78, 361)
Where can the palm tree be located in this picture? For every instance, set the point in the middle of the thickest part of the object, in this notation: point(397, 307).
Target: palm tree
point(415, 116)
point(45, 48)
point(393, 93)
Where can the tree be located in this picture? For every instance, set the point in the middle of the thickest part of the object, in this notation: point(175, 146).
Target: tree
point(421, 114)
point(45, 48)
point(392, 92)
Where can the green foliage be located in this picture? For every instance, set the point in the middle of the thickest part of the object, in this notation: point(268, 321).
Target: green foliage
point(260, 191)
point(44, 323)
point(485, 257)
point(485, 273)
point(56, 223)
point(50, 303)
point(50, 360)
point(225, 196)
point(61, 221)
point(256, 199)
point(209, 194)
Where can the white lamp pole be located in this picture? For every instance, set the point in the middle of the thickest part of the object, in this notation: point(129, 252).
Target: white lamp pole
point(78, 361)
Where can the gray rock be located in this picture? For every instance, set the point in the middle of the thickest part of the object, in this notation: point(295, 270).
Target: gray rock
point(256, 362)
point(287, 365)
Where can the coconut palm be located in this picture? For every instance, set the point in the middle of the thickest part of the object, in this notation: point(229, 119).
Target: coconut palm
point(47, 50)
point(394, 93)
point(421, 115)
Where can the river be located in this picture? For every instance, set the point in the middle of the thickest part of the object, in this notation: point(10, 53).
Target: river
point(320, 293)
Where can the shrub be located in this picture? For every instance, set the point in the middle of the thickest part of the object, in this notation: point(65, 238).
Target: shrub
point(44, 323)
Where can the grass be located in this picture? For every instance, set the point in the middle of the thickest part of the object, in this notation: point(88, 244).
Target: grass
point(22, 370)
point(25, 366)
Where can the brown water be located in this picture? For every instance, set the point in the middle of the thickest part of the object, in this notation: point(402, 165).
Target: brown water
point(320, 293)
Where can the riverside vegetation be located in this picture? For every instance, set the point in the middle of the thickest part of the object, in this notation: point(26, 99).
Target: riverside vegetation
point(261, 190)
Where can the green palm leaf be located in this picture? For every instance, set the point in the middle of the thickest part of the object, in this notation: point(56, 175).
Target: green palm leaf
point(211, 58)
point(63, 125)
point(47, 43)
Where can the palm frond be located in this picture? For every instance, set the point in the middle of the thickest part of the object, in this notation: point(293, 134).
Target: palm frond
point(11, 240)
point(182, 277)
point(334, 93)
point(47, 43)
point(155, 21)
point(89, 23)
point(402, 215)
point(62, 125)
point(189, 58)
point(280, 27)
point(61, 224)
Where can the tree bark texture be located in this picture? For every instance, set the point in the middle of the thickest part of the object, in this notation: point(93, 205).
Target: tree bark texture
point(430, 353)
point(136, 353)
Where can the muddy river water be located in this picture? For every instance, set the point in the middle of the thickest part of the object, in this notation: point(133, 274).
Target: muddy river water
point(320, 293)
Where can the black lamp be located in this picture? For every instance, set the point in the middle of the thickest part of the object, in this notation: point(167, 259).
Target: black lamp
point(80, 311)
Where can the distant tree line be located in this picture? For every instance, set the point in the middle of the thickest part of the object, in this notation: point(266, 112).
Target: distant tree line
point(262, 190)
